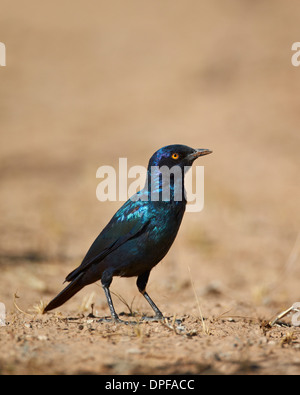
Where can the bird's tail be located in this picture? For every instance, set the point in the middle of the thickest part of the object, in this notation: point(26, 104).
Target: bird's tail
point(75, 286)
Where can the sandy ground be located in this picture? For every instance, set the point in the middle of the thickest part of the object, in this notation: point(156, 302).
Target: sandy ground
point(89, 82)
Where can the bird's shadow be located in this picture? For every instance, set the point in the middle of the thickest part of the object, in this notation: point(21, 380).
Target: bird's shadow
point(138, 319)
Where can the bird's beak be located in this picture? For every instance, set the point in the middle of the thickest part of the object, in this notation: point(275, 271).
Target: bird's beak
point(199, 152)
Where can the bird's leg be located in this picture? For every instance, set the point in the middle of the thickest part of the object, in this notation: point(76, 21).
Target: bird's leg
point(158, 314)
point(106, 280)
point(141, 284)
point(113, 313)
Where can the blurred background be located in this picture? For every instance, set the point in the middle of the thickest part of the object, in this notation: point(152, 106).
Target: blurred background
point(87, 82)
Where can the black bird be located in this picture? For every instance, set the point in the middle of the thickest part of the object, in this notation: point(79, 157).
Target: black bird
point(141, 232)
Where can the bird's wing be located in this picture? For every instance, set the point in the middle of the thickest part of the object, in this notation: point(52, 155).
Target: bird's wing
point(129, 222)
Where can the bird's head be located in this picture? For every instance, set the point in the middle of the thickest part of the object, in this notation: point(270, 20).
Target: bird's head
point(176, 155)
point(166, 170)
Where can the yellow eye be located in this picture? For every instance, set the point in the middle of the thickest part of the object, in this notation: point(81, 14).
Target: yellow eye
point(175, 156)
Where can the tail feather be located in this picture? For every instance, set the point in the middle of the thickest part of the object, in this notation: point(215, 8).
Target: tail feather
point(75, 286)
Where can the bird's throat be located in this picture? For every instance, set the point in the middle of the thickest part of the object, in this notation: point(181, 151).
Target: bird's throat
point(165, 185)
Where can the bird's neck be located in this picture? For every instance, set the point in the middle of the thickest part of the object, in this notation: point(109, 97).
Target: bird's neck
point(166, 185)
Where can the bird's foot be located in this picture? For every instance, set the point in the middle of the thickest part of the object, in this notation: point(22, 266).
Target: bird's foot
point(156, 318)
point(115, 320)
point(161, 318)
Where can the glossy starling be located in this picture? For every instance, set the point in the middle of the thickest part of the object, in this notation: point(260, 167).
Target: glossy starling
point(140, 233)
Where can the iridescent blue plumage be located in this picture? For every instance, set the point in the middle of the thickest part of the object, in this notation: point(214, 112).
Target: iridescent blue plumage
point(141, 232)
